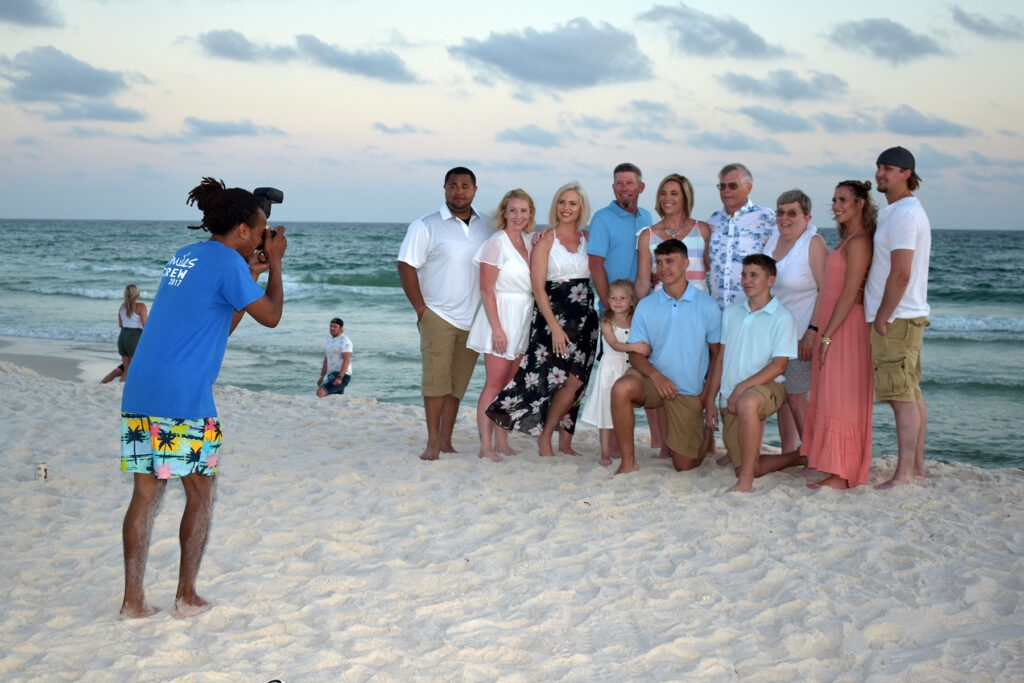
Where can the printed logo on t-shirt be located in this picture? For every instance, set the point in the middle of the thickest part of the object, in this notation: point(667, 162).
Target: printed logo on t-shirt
point(178, 267)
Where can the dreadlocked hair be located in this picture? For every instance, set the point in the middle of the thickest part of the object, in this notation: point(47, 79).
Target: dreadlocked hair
point(223, 208)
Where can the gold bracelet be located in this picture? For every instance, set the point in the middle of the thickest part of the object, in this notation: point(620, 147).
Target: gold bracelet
point(826, 340)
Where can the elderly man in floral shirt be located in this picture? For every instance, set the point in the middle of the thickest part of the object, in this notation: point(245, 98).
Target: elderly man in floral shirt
point(740, 228)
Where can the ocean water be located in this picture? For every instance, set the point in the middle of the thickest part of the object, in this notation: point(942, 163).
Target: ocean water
point(64, 280)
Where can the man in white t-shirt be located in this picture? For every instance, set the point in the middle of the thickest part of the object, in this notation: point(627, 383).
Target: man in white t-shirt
point(336, 372)
point(435, 265)
point(896, 305)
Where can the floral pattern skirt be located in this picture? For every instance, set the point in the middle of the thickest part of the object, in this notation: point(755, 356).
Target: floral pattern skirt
point(523, 403)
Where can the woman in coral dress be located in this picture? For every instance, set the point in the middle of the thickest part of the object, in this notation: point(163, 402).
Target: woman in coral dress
point(837, 428)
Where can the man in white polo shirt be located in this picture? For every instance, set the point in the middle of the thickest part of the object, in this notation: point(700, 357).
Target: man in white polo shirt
point(435, 265)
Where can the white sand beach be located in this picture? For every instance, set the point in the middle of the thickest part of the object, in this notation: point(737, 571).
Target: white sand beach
point(337, 555)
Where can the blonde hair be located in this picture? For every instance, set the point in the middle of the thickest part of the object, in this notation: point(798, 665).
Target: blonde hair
point(499, 214)
point(584, 217)
point(131, 297)
point(622, 283)
point(684, 184)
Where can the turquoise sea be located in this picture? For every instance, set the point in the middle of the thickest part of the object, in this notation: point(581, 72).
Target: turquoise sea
point(63, 279)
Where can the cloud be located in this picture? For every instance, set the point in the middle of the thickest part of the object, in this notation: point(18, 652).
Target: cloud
point(1006, 132)
point(229, 44)
point(197, 129)
point(700, 34)
point(383, 65)
point(906, 120)
point(928, 158)
point(1007, 28)
point(404, 128)
point(784, 84)
point(777, 121)
point(576, 55)
point(982, 160)
point(885, 39)
point(734, 141)
point(28, 141)
point(94, 110)
point(89, 133)
point(69, 89)
point(531, 135)
point(45, 74)
point(857, 122)
point(30, 13)
point(596, 123)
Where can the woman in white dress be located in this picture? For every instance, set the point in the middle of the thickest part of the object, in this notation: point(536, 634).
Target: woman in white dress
point(501, 327)
point(800, 254)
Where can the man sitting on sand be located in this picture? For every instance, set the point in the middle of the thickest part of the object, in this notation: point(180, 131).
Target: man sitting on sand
point(682, 327)
point(337, 361)
point(758, 339)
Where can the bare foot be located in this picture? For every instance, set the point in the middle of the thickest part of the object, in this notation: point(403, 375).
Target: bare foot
point(448, 448)
point(723, 460)
point(430, 454)
point(568, 450)
point(624, 469)
point(833, 481)
point(490, 455)
point(665, 452)
point(183, 609)
point(605, 461)
point(138, 612)
point(544, 447)
point(741, 488)
point(895, 482)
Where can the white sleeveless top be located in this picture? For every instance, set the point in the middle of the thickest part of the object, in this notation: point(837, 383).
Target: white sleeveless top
point(794, 283)
point(129, 321)
point(568, 265)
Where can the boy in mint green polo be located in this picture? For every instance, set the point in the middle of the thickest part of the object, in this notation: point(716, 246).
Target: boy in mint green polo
point(758, 339)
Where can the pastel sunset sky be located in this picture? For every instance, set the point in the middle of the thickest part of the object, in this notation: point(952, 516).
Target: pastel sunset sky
point(116, 108)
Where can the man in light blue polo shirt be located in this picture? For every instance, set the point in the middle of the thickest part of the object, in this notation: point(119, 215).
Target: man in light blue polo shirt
point(758, 339)
point(612, 243)
point(682, 326)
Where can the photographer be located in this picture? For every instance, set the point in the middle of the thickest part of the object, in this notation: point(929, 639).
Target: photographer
point(169, 425)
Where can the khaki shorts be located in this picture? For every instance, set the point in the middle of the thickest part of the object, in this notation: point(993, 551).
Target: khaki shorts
point(897, 359)
point(685, 417)
point(447, 363)
point(772, 395)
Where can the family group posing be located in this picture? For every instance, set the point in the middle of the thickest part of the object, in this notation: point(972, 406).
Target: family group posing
point(744, 316)
point(784, 328)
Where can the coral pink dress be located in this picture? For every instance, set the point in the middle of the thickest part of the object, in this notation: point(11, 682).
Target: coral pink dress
point(837, 427)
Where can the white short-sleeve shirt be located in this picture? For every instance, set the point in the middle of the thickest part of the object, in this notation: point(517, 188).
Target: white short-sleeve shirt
point(901, 225)
point(440, 246)
point(335, 350)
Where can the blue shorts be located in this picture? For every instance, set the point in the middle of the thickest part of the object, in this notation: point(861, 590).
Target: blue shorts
point(169, 447)
point(331, 388)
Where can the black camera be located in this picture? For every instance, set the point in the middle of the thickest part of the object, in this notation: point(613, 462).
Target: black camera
point(267, 196)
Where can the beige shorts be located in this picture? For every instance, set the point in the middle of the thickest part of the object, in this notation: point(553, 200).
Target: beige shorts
point(897, 359)
point(772, 395)
point(685, 417)
point(447, 363)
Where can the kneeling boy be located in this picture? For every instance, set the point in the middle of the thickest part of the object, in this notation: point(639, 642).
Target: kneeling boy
point(758, 339)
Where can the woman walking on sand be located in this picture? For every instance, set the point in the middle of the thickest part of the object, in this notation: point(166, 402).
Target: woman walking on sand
point(131, 318)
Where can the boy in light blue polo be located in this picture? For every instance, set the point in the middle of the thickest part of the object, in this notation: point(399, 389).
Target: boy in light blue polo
point(758, 339)
point(682, 326)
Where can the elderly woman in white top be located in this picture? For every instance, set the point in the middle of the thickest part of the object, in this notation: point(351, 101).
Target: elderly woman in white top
point(501, 327)
point(799, 253)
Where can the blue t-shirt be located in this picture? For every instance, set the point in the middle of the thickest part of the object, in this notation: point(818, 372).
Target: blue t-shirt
point(613, 236)
point(183, 342)
point(679, 332)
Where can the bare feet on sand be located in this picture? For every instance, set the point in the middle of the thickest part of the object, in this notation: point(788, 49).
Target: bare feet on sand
point(430, 454)
point(185, 608)
point(448, 448)
point(624, 469)
point(605, 461)
point(568, 450)
point(741, 488)
point(895, 482)
point(490, 455)
point(138, 611)
point(834, 481)
point(723, 460)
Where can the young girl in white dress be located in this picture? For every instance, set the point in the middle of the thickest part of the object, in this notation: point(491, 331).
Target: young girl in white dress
point(614, 363)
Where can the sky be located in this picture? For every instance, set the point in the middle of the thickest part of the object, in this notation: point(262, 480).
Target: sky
point(115, 109)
